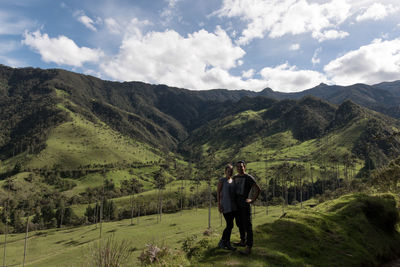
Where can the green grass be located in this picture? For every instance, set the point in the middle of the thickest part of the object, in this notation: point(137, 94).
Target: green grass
point(143, 174)
point(68, 247)
point(282, 147)
point(82, 142)
point(20, 183)
point(354, 230)
point(244, 117)
point(268, 147)
point(149, 195)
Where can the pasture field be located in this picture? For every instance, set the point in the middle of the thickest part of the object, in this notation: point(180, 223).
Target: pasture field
point(71, 246)
point(148, 196)
point(80, 142)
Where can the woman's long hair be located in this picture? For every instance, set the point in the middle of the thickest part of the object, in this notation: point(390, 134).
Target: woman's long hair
point(229, 169)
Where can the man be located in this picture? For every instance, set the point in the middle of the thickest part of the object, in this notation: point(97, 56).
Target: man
point(244, 183)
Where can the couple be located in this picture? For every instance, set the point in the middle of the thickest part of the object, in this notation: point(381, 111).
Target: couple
point(234, 203)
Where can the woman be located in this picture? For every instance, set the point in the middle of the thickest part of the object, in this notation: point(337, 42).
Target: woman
point(227, 205)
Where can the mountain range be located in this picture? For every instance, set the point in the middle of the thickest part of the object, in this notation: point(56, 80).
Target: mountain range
point(34, 102)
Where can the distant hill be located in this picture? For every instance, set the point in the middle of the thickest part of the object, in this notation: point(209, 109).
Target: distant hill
point(383, 97)
point(392, 87)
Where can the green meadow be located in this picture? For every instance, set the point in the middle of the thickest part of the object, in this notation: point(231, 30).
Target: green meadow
point(172, 189)
point(90, 143)
point(353, 230)
point(80, 142)
point(262, 152)
point(71, 246)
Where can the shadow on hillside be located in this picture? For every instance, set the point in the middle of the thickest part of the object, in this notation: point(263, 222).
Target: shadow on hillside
point(259, 257)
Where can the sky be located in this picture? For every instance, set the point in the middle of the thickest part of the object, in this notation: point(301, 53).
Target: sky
point(285, 45)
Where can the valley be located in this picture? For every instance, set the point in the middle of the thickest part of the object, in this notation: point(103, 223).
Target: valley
point(77, 151)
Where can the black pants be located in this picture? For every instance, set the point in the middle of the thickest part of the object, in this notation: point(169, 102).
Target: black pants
point(243, 221)
point(226, 235)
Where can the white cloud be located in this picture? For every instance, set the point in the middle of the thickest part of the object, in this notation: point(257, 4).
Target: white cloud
point(93, 73)
point(377, 11)
point(201, 60)
point(134, 26)
point(13, 24)
point(128, 27)
point(220, 78)
point(373, 63)
point(8, 46)
point(113, 26)
point(248, 74)
point(280, 17)
point(167, 57)
point(169, 12)
point(172, 3)
point(366, 3)
point(60, 50)
point(294, 47)
point(315, 59)
point(12, 62)
point(286, 78)
point(85, 20)
point(329, 35)
point(88, 22)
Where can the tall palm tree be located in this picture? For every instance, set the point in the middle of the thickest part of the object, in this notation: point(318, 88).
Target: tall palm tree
point(160, 182)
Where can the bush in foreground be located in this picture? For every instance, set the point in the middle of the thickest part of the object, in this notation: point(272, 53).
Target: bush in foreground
point(161, 255)
point(110, 253)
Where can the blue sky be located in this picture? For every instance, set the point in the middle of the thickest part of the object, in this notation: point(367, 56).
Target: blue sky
point(287, 45)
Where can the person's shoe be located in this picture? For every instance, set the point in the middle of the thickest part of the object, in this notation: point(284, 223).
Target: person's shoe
point(222, 244)
point(239, 244)
point(246, 251)
point(229, 246)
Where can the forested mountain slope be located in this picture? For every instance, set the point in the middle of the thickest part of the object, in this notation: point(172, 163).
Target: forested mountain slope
point(34, 102)
point(302, 130)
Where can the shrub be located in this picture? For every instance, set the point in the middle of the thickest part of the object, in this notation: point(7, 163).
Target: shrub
point(154, 254)
point(110, 253)
point(208, 232)
point(194, 248)
point(188, 243)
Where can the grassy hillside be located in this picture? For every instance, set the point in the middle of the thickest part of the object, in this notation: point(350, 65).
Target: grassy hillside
point(66, 247)
point(353, 230)
point(260, 151)
point(150, 195)
point(144, 175)
point(81, 142)
point(308, 131)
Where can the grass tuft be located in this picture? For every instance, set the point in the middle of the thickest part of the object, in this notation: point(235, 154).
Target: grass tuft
point(110, 253)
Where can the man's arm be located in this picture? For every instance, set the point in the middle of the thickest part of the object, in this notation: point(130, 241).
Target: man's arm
point(219, 189)
point(256, 189)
